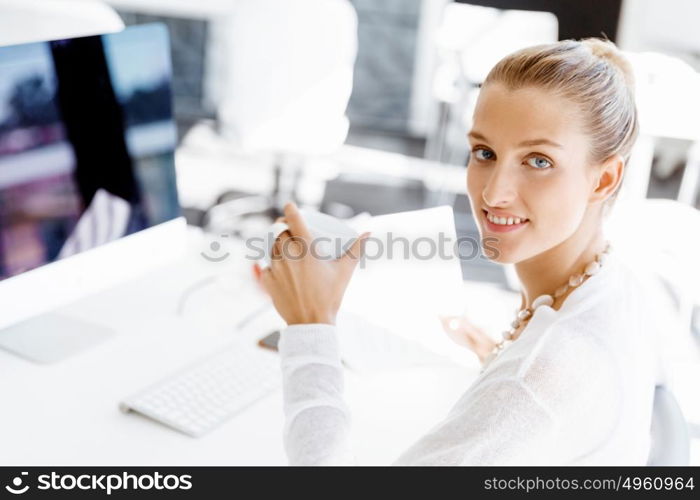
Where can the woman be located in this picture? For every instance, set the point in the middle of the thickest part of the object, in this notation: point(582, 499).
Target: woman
point(573, 380)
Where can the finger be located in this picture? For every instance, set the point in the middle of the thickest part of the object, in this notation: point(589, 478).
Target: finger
point(257, 271)
point(280, 245)
point(287, 253)
point(258, 276)
point(355, 252)
point(266, 278)
point(278, 229)
point(295, 221)
point(292, 248)
point(265, 274)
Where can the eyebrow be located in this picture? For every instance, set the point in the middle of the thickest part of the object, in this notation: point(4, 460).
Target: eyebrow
point(531, 142)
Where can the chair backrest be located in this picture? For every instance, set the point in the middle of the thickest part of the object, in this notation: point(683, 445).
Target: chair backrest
point(670, 440)
point(25, 21)
point(288, 74)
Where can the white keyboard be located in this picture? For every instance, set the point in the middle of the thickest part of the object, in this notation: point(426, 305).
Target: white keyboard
point(207, 393)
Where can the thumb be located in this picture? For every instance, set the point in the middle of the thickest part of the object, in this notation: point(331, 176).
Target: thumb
point(355, 252)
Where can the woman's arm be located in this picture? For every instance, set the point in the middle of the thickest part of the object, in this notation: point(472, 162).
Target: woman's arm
point(317, 421)
point(307, 292)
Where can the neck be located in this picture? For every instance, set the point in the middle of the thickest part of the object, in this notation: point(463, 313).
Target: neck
point(547, 271)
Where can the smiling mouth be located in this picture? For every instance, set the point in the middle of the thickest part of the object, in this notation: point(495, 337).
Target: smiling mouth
point(503, 224)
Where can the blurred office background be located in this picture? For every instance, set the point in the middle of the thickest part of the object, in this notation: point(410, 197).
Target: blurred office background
point(362, 106)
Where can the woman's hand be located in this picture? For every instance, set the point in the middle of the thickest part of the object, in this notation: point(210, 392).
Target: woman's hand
point(464, 332)
point(306, 289)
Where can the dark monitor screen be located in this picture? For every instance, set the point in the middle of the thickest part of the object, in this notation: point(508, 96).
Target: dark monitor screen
point(87, 144)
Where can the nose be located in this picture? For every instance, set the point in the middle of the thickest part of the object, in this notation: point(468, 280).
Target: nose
point(500, 187)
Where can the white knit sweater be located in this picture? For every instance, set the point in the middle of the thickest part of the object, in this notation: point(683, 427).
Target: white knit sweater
point(575, 388)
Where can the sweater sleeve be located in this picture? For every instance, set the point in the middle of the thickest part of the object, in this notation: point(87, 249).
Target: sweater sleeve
point(317, 421)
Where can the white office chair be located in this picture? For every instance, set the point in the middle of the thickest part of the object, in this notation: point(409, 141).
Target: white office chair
point(287, 81)
point(25, 21)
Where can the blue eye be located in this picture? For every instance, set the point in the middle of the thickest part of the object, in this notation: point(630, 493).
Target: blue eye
point(482, 154)
point(539, 162)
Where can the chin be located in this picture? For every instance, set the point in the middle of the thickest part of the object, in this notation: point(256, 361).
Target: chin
point(504, 259)
point(497, 251)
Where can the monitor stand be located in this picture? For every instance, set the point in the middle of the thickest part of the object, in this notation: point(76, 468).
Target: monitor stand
point(51, 337)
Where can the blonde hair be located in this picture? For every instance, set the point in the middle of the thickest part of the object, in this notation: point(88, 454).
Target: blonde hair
point(593, 74)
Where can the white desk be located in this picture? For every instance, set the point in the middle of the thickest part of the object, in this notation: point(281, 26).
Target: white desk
point(66, 413)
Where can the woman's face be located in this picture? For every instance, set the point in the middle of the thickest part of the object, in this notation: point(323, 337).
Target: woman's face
point(528, 161)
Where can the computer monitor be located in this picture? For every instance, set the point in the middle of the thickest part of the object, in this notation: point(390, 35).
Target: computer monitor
point(87, 180)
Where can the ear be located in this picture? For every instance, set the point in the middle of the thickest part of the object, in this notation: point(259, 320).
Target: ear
point(608, 178)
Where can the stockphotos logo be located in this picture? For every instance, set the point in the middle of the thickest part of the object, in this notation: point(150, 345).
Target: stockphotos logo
point(17, 486)
point(104, 483)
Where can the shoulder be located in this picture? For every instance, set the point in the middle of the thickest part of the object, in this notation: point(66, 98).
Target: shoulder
point(572, 345)
point(571, 368)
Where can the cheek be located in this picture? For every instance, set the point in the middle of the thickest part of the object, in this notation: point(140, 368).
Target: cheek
point(559, 201)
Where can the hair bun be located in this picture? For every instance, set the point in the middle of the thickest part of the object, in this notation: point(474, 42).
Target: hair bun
point(601, 47)
point(605, 49)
